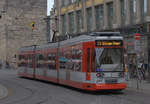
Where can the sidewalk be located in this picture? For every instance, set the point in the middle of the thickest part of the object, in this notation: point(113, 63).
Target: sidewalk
point(3, 91)
point(144, 86)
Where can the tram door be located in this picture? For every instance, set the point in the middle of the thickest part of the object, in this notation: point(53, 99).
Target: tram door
point(88, 63)
point(89, 58)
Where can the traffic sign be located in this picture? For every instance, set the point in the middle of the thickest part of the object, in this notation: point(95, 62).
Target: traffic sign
point(137, 36)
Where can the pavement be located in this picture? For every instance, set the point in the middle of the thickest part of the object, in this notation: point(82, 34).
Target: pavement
point(26, 91)
point(3, 91)
point(143, 86)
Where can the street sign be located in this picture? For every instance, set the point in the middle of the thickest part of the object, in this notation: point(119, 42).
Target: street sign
point(137, 36)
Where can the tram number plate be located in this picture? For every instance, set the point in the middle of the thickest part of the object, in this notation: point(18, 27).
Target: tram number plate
point(111, 81)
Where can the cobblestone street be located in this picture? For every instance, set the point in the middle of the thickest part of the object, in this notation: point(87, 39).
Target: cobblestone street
point(27, 91)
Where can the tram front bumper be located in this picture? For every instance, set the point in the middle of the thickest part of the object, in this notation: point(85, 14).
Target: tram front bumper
point(118, 86)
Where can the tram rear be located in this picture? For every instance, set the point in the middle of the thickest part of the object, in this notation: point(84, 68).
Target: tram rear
point(104, 64)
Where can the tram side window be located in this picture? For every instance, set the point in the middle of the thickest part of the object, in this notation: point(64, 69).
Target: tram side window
point(40, 59)
point(30, 61)
point(76, 59)
point(67, 55)
point(93, 59)
point(21, 62)
point(52, 61)
point(62, 60)
point(21, 57)
point(88, 59)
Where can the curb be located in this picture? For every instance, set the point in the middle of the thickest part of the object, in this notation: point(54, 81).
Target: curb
point(3, 92)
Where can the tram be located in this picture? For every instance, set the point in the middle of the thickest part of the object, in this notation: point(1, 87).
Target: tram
point(92, 61)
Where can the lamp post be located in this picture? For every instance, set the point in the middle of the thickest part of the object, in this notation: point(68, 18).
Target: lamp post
point(137, 50)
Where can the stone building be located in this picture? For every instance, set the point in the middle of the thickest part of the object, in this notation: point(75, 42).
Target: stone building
point(21, 24)
point(127, 16)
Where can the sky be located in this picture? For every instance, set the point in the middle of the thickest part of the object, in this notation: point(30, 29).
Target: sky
point(49, 6)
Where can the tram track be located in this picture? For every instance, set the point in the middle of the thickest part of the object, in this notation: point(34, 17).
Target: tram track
point(26, 91)
point(30, 92)
point(29, 88)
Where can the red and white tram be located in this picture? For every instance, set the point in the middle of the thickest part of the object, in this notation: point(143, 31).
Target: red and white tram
point(88, 62)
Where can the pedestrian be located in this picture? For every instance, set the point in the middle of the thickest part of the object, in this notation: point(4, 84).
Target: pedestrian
point(7, 65)
point(141, 71)
point(126, 73)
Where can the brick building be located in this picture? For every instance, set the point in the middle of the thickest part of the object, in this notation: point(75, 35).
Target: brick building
point(127, 16)
point(16, 20)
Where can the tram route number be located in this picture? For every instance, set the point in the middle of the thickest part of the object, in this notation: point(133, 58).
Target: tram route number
point(102, 43)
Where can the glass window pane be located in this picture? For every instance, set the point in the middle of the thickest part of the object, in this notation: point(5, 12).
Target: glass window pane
point(143, 10)
point(71, 22)
point(79, 21)
point(99, 17)
point(123, 11)
point(89, 19)
point(63, 18)
point(110, 15)
point(133, 11)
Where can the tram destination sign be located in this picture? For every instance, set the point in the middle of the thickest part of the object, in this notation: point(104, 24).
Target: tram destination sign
point(108, 43)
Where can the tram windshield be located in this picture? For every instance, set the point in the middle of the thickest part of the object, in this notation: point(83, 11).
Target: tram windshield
point(109, 59)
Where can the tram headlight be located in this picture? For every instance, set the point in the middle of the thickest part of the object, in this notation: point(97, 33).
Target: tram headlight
point(100, 74)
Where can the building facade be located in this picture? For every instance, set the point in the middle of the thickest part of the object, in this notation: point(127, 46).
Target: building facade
point(127, 16)
point(21, 24)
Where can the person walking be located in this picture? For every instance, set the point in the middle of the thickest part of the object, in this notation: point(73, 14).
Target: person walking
point(7, 65)
point(141, 71)
point(126, 73)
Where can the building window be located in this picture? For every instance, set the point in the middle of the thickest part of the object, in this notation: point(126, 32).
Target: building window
point(63, 18)
point(63, 3)
point(89, 19)
point(72, 1)
point(71, 22)
point(79, 21)
point(143, 10)
point(110, 15)
point(123, 11)
point(132, 11)
point(99, 16)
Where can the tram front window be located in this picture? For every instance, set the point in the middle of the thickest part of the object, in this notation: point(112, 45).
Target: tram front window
point(109, 59)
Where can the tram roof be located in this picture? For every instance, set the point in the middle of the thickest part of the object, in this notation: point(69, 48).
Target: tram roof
point(83, 38)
